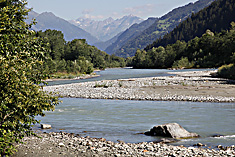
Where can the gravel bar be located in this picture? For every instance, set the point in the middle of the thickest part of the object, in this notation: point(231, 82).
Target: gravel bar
point(197, 86)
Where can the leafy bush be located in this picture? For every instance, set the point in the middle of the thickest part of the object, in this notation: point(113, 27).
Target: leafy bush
point(227, 71)
point(21, 72)
point(182, 63)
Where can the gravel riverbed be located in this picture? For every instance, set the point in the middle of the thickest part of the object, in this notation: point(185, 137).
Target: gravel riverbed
point(66, 144)
point(184, 86)
point(197, 86)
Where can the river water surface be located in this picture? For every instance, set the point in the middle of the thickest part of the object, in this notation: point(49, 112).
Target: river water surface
point(123, 73)
point(124, 119)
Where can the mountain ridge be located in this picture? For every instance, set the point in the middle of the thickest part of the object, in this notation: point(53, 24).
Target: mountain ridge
point(47, 20)
point(165, 24)
point(204, 40)
point(180, 33)
point(106, 29)
point(130, 33)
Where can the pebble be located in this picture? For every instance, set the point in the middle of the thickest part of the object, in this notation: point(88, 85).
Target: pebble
point(77, 146)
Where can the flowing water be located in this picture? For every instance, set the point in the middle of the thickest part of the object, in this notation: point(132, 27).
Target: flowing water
point(124, 119)
point(123, 73)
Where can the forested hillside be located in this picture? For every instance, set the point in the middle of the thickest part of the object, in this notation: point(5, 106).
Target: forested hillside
point(159, 28)
point(210, 50)
point(75, 56)
point(216, 17)
point(129, 34)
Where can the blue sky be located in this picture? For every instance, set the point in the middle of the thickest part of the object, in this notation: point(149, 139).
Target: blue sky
point(101, 9)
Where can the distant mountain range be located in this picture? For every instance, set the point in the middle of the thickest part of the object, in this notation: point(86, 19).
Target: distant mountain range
point(48, 20)
point(121, 37)
point(95, 32)
point(108, 28)
point(146, 35)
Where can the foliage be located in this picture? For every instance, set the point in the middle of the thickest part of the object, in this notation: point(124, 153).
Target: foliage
point(182, 64)
point(161, 57)
point(210, 51)
point(21, 59)
point(227, 71)
point(75, 56)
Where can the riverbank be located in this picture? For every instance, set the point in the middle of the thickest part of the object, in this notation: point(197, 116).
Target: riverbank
point(197, 86)
point(66, 144)
point(83, 76)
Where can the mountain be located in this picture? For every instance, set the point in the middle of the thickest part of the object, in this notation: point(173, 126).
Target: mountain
point(204, 40)
point(48, 20)
point(108, 28)
point(159, 28)
point(130, 33)
point(103, 45)
point(216, 17)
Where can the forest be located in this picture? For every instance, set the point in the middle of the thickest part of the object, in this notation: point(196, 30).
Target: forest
point(187, 46)
point(216, 17)
point(74, 56)
point(210, 51)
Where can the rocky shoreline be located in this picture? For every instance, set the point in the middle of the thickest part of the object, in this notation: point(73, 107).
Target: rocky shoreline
point(197, 86)
point(184, 86)
point(67, 144)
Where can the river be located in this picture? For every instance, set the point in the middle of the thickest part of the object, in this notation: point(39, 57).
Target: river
point(123, 73)
point(124, 120)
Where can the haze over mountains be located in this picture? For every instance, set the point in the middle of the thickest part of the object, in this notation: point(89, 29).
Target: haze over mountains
point(92, 31)
point(121, 37)
point(106, 29)
point(48, 20)
point(148, 34)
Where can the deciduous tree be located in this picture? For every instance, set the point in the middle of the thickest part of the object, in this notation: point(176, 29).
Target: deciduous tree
point(21, 94)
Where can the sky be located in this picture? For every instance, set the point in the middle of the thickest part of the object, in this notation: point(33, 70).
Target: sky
point(102, 9)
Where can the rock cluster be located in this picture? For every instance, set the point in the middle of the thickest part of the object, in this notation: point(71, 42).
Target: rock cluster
point(66, 144)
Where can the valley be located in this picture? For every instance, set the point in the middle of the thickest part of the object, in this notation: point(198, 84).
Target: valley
point(102, 79)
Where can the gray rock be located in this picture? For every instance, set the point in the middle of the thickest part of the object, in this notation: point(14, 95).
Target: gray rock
point(172, 130)
point(217, 135)
point(61, 145)
point(45, 126)
point(165, 141)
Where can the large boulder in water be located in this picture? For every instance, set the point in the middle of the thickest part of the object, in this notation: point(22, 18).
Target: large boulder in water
point(172, 130)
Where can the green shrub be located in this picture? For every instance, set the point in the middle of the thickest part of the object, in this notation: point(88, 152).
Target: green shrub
point(227, 71)
point(183, 63)
point(21, 75)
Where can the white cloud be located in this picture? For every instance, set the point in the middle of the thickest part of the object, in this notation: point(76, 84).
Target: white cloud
point(93, 17)
point(116, 15)
point(140, 10)
point(87, 11)
point(87, 14)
